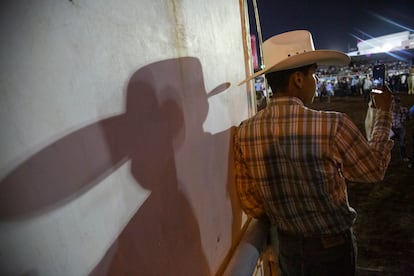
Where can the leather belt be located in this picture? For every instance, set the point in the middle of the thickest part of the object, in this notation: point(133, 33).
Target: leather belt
point(327, 241)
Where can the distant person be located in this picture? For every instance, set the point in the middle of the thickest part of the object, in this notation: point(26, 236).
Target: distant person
point(323, 92)
point(410, 81)
point(404, 85)
point(400, 116)
point(329, 90)
point(260, 100)
point(355, 85)
point(293, 162)
point(344, 86)
point(411, 113)
point(366, 87)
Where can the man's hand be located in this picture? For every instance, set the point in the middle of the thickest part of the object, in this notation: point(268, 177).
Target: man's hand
point(382, 100)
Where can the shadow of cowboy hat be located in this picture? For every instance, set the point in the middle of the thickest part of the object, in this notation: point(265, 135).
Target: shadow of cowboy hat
point(183, 73)
point(295, 49)
point(218, 89)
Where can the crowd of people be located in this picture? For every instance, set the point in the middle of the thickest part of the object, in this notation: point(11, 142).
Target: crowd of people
point(353, 80)
point(356, 79)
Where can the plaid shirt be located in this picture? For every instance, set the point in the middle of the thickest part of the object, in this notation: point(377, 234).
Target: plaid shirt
point(292, 163)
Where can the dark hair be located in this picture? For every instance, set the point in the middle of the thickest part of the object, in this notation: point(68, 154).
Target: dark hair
point(279, 80)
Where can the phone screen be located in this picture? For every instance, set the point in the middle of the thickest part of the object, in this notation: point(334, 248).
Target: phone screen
point(378, 76)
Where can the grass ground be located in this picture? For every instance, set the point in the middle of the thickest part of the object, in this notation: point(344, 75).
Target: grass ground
point(385, 222)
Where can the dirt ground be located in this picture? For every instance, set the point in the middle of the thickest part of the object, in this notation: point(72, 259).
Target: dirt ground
point(385, 224)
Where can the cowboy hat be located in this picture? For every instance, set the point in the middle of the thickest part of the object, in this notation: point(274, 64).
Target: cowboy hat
point(295, 49)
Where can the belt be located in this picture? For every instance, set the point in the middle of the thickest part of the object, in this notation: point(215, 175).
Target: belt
point(326, 241)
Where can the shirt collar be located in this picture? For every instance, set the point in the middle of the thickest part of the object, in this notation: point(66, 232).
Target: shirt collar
point(286, 100)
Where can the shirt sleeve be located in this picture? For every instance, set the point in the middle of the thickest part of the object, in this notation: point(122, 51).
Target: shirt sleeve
point(247, 191)
point(362, 160)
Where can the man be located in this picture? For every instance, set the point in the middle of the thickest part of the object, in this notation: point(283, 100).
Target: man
point(292, 162)
point(400, 116)
point(411, 114)
point(410, 81)
point(366, 87)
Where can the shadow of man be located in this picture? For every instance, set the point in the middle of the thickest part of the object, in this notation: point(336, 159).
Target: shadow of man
point(163, 236)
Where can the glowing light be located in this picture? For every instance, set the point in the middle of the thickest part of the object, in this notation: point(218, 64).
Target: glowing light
point(386, 47)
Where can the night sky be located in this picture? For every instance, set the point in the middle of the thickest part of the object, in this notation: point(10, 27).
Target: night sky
point(335, 24)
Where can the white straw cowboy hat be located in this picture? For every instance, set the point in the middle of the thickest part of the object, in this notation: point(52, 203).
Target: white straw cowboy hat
point(295, 49)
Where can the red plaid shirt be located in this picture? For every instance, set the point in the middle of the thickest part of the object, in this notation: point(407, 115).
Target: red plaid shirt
point(292, 164)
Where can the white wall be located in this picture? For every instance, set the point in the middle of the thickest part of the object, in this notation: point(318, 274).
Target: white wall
point(113, 152)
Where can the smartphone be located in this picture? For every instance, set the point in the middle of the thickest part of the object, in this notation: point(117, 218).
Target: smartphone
point(378, 76)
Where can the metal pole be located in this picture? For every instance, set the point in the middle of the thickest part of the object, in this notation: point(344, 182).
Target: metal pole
point(253, 243)
point(259, 34)
point(259, 29)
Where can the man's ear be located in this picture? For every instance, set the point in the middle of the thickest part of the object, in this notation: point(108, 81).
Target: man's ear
point(298, 79)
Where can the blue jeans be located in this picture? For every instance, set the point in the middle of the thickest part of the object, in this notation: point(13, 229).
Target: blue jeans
point(299, 256)
point(400, 138)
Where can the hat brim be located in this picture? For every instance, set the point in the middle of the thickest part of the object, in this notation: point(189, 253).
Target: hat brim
point(320, 57)
point(220, 88)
